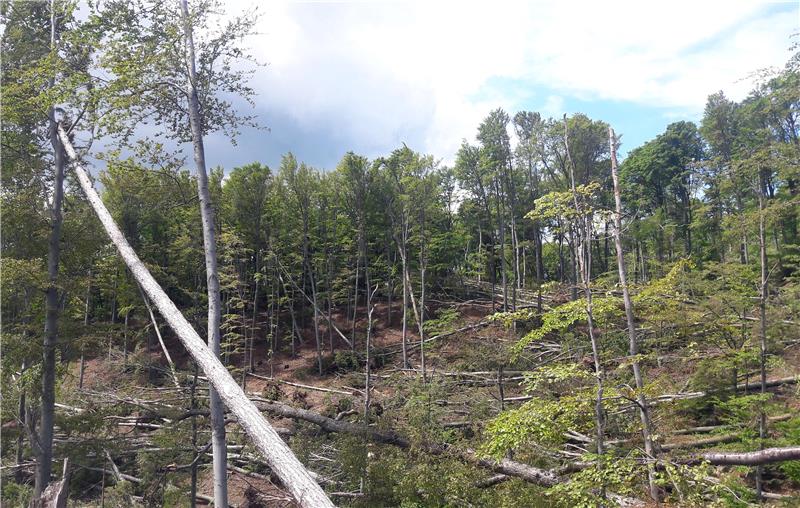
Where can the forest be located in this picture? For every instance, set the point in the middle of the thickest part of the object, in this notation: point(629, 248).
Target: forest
point(543, 322)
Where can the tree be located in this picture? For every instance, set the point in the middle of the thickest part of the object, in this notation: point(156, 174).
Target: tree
point(161, 73)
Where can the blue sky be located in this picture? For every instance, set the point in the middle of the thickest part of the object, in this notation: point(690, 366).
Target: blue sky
point(369, 75)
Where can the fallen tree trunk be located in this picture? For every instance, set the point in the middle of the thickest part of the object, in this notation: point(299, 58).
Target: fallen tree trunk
point(740, 387)
point(279, 456)
point(765, 456)
point(530, 474)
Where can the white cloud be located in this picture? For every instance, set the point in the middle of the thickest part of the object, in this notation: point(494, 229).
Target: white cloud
point(387, 72)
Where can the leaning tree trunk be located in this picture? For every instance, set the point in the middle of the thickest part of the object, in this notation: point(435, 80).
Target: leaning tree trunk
point(45, 438)
point(278, 455)
point(216, 407)
point(633, 351)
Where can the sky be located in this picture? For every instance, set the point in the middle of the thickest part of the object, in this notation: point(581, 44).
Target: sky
point(368, 76)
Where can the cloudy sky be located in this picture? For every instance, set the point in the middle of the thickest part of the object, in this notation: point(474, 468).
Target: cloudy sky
point(369, 75)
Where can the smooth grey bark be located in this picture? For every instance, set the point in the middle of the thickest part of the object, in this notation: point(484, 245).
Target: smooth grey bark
point(86, 326)
point(421, 315)
point(762, 247)
point(583, 261)
point(45, 438)
point(217, 418)
point(405, 310)
point(21, 411)
point(633, 349)
point(171, 364)
point(759, 458)
point(278, 455)
point(368, 366)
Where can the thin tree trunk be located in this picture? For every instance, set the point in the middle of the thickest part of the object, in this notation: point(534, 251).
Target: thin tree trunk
point(582, 255)
point(45, 456)
point(212, 276)
point(316, 322)
point(368, 366)
point(355, 305)
point(405, 310)
point(762, 245)
point(193, 469)
point(86, 327)
point(633, 351)
point(125, 338)
point(160, 338)
point(278, 455)
point(421, 315)
point(21, 410)
point(537, 234)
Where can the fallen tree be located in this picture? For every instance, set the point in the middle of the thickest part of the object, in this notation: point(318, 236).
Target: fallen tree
point(278, 455)
point(507, 467)
point(761, 457)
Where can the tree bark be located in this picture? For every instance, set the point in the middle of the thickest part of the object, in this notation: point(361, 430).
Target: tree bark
point(212, 276)
point(45, 448)
point(633, 351)
point(762, 245)
point(583, 261)
point(759, 458)
point(279, 457)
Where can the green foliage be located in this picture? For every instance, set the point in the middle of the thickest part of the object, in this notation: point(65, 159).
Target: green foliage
point(791, 437)
point(444, 322)
point(582, 490)
point(568, 314)
point(15, 494)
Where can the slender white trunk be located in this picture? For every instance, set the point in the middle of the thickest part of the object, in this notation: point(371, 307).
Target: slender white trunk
point(405, 312)
point(160, 339)
point(762, 247)
point(217, 410)
point(583, 263)
point(644, 411)
point(278, 455)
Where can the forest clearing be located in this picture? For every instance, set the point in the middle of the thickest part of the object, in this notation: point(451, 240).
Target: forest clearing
point(542, 319)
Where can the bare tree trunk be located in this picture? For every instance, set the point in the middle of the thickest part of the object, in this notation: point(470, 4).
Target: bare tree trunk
point(762, 245)
point(254, 321)
point(212, 276)
point(633, 351)
point(160, 338)
point(583, 257)
point(368, 367)
point(21, 410)
point(537, 254)
point(421, 314)
point(316, 323)
point(502, 227)
point(193, 468)
point(125, 338)
point(405, 309)
point(45, 456)
point(355, 304)
point(295, 331)
point(277, 454)
point(86, 326)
